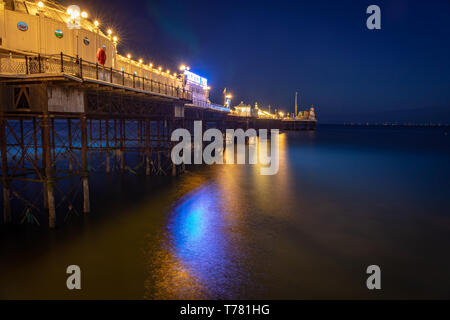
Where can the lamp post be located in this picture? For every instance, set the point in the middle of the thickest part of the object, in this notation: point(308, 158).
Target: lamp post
point(96, 28)
point(141, 68)
point(129, 63)
point(228, 98)
point(40, 9)
point(114, 55)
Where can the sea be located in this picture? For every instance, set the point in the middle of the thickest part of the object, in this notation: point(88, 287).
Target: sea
point(344, 198)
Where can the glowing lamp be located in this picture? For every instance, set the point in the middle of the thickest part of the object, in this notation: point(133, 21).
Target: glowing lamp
point(73, 11)
point(96, 23)
point(84, 14)
point(40, 4)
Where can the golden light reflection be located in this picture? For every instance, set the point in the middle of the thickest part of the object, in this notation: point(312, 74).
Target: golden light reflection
point(169, 278)
point(280, 184)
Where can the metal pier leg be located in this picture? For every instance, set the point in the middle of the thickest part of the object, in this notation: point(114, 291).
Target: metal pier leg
point(121, 152)
point(5, 182)
point(47, 155)
point(44, 165)
point(84, 161)
point(159, 146)
point(174, 167)
point(183, 165)
point(108, 168)
point(69, 133)
point(36, 158)
point(147, 147)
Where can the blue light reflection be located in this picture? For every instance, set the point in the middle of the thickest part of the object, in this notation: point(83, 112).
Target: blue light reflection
point(200, 240)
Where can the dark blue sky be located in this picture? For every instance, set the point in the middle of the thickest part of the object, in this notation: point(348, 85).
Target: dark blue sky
point(266, 50)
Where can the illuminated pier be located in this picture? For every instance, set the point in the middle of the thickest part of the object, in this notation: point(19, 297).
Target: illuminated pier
point(70, 105)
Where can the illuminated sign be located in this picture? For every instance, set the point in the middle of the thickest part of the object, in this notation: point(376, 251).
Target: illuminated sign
point(22, 26)
point(196, 78)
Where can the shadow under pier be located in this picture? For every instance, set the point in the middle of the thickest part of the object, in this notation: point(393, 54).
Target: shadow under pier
point(55, 130)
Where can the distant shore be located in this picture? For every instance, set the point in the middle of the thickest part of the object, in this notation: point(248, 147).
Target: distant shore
point(389, 124)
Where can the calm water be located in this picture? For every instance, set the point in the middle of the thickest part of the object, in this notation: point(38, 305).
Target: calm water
point(344, 198)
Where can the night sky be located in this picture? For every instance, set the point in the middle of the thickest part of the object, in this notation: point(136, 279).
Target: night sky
point(265, 51)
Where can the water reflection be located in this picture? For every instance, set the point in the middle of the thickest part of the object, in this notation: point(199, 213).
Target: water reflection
point(196, 256)
point(208, 248)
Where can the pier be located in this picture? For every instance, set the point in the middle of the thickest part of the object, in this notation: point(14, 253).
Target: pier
point(64, 114)
point(57, 126)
